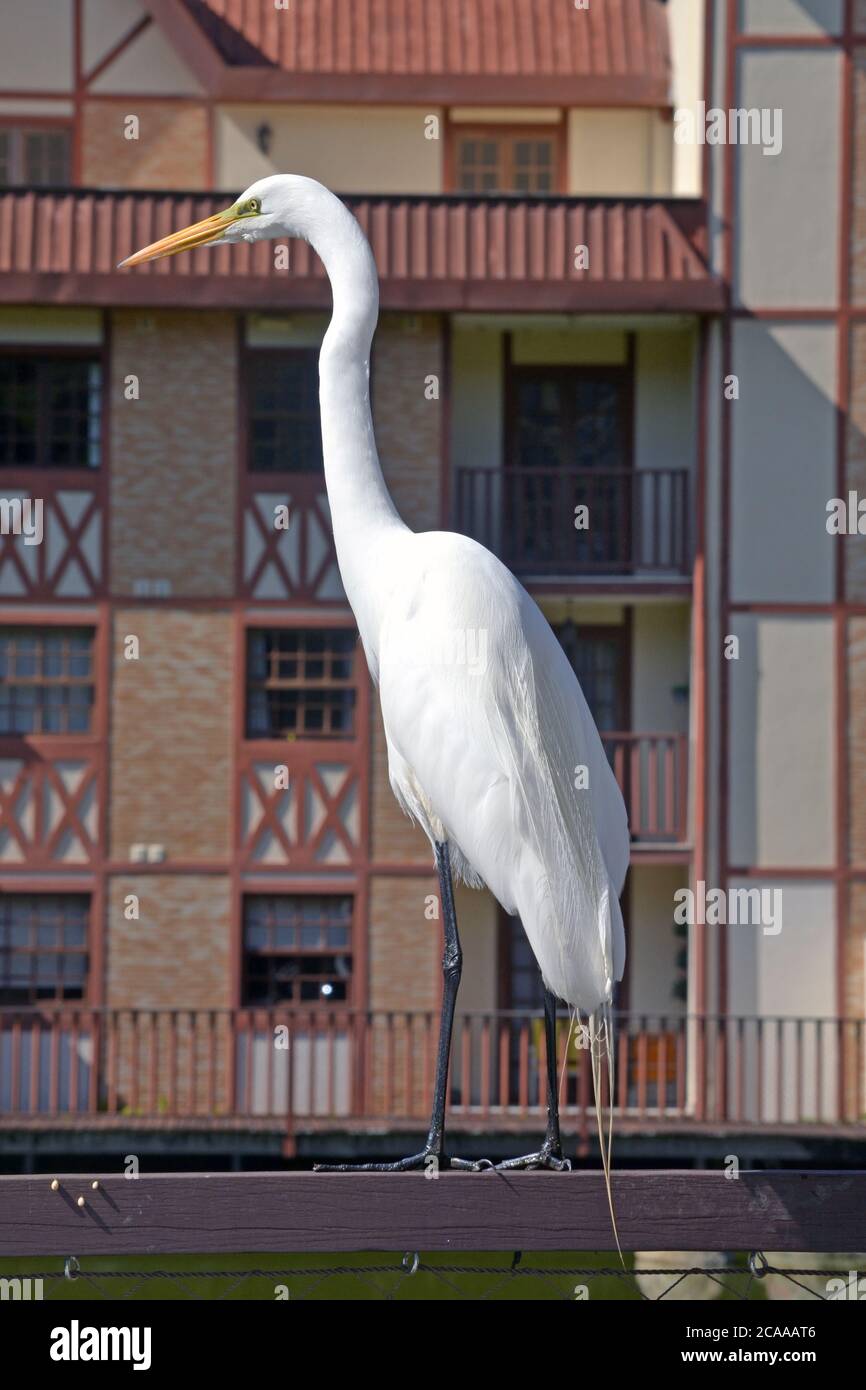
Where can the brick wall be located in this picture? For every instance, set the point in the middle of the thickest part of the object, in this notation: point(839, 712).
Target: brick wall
point(170, 152)
point(855, 461)
point(405, 949)
point(857, 740)
point(853, 997)
point(173, 452)
point(405, 955)
point(171, 728)
point(408, 426)
point(858, 188)
point(177, 953)
point(852, 1002)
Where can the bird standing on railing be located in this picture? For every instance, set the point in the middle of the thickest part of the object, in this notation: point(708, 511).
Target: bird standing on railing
point(491, 745)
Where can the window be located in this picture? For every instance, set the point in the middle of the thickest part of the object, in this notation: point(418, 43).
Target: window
point(285, 433)
point(40, 156)
point(301, 682)
point(506, 163)
point(46, 680)
point(297, 949)
point(50, 412)
point(43, 947)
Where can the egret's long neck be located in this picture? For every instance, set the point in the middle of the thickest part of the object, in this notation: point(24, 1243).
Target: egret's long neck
point(362, 512)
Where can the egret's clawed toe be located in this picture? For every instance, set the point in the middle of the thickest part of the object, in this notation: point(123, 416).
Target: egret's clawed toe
point(545, 1158)
point(427, 1160)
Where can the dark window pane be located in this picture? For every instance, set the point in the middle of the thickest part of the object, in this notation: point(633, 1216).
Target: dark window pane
point(38, 156)
point(52, 930)
point(300, 681)
point(288, 948)
point(283, 401)
point(505, 163)
point(479, 165)
point(46, 157)
point(599, 662)
point(50, 412)
point(46, 680)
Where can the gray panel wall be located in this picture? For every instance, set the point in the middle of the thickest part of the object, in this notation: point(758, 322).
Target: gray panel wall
point(786, 251)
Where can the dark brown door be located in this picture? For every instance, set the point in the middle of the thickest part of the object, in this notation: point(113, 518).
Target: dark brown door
point(569, 444)
point(599, 657)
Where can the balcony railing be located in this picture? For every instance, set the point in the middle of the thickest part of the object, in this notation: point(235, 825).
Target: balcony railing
point(318, 1069)
point(652, 772)
point(638, 519)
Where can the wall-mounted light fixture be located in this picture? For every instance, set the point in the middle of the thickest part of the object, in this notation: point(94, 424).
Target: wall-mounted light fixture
point(264, 137)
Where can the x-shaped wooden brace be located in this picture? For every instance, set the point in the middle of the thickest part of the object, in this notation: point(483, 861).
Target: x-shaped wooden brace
point(73, 533)
point(303, 512)
point(269, 803)
point(36, 772)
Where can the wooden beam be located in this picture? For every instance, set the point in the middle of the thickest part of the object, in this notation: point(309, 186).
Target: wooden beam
point(175, 291)
point(120, 47)
point(268, 83)
point(189, 40)
point(230, 1213)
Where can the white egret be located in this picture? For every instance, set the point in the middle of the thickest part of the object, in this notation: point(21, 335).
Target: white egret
point(496, 757)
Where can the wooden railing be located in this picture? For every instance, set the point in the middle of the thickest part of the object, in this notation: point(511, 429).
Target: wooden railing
point(637, 519)
point(652, 772)
point(329, 1065)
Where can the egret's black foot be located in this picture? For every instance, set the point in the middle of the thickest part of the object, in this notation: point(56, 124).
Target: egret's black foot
point(425, 1159)
point(545, 1158)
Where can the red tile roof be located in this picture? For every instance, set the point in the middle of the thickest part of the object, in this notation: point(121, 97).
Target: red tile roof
point(468, 51)
point(441, 253)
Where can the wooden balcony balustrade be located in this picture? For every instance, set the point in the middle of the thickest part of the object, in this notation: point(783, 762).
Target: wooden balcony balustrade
point(638, 519)
point(652, 772)
point(291, 1068)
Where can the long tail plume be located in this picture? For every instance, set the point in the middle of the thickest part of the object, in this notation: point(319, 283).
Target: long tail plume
point(601, 1050)
point(573, 1022)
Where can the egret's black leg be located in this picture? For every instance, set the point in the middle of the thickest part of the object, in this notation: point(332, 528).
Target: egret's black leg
point(452, 968)
point(550, 1153)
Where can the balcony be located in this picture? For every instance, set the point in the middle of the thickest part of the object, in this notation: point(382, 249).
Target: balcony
point(351, 1070)
point(434, 252)
point(638, 519)
point(652, 773)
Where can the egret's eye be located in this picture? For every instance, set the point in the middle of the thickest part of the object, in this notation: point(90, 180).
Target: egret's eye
point(254, 205)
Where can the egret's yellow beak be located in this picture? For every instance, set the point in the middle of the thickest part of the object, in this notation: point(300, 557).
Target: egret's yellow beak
point(199, 234)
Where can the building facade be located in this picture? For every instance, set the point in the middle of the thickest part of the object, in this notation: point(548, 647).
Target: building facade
point(621, 354)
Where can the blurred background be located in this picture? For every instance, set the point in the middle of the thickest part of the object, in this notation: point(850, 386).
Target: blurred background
point(219, 937)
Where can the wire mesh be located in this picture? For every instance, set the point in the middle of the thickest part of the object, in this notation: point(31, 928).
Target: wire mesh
point(412, 1276)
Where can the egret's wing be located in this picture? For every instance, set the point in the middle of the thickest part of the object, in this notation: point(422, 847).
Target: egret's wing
point(492, 746)
point(563, 785)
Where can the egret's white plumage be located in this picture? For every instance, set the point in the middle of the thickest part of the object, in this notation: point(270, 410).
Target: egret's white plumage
point(485, 721)
point(484, 742)
point(482, 752)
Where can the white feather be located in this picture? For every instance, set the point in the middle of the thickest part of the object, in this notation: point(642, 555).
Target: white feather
point(484, 748)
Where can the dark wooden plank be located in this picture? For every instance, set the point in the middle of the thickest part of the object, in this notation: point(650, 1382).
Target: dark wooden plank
point(246, 1212)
